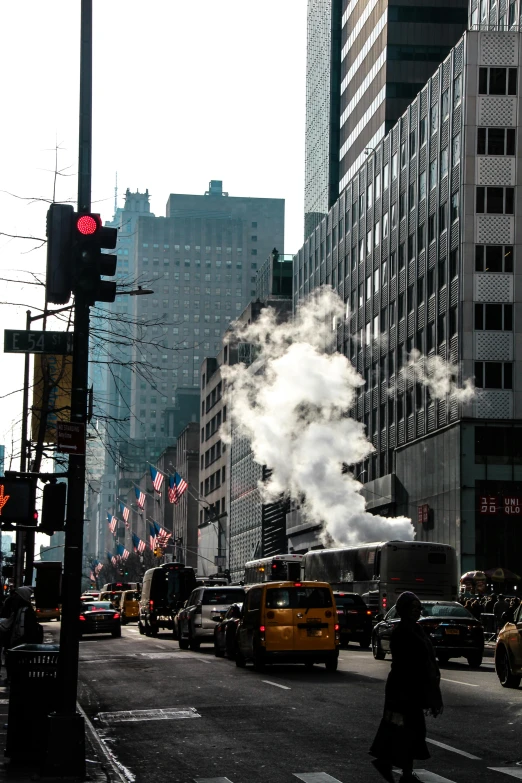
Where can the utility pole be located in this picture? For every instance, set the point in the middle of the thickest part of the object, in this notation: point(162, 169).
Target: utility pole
point(67, 729)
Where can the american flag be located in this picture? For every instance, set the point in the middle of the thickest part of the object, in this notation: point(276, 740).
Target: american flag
point(125, 511)
point(122, 552)
point(138, 544)
point(177, 486)
point(152, 537)
point(140, 497)
point(113, 523)
point(157, 478)
point(163, 537)
point(114, 560)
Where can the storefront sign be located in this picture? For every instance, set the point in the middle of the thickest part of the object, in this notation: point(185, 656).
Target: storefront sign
point(488, 504)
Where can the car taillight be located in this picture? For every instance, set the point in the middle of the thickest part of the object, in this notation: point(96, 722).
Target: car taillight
point(151, 605)
point(262, 630)
point(336, 627)
point(384, 603)
point(82, 617)
point(340, 611)
point(368, 612)
point(116, 616)
point(297, 584)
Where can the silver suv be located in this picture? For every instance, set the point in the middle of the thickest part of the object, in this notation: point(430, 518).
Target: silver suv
point(205, 607)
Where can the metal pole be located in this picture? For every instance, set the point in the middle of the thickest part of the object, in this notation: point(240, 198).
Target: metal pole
point(18, 574)
point(67, 729)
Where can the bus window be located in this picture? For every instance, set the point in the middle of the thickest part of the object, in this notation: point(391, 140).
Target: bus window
point(294, 572)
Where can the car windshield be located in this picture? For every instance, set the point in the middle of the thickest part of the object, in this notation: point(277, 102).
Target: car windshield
point(298, 598)
point(132, 597)
point(222, 597)
point(97, 605)
point(349, 600)
point(445, 610)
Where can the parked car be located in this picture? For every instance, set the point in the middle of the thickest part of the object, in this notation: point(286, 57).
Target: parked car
point(205, 607)
point(99, 617)
point(508, 652)
point(225, 632)
point(47, 613)
point(453, 631)
point(355, 619)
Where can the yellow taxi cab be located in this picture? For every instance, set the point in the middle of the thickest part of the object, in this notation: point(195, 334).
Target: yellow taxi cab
point(508, 652)
point(293, 622)
point(129, 606)
point(114, 596)
point(47, 613)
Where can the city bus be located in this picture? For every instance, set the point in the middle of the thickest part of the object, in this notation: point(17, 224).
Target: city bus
point(278, 568)
point(380, 572)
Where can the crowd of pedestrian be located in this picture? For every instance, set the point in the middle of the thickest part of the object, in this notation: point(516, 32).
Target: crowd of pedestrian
point(502, 608)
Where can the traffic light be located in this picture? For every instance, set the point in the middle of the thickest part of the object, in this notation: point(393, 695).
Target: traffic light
point(89, 237)
point(58, 284)
point(17, 501)
point(53, 508)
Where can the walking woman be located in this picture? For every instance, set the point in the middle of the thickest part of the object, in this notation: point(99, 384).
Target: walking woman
point(412, 689)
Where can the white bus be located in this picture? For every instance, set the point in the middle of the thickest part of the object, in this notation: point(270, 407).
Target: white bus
point(278, 568)
point(381, 572)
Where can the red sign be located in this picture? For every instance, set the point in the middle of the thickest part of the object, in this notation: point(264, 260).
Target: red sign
point(513, 505)
point(70, 438)
point(423, 513)
point(488, 504)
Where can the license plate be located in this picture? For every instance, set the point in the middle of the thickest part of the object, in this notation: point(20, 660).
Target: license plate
point(314, 632)
point(453, 631)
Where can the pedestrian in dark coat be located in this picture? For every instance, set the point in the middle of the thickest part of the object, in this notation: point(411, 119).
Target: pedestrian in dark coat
point(412, 689)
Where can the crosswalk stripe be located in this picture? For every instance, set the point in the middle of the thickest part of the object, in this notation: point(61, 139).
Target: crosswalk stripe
point(453, 750)
point(211, 780)
point(430, 777)
point(316, 777)
point(514, 772)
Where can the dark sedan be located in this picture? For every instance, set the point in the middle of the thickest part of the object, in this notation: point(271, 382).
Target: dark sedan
point(225, 632)
point(355, 619)
point(99, 617)
point(453, 631)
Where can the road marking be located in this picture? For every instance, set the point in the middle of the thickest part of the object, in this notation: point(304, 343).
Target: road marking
point(458, 682)
point(285, 687)
point(4, 701)
point(453, 750)
point(132, 716)
point(211, 780)
point(514, 772)
point(431, 777)
point(315, 777)
point(132, 630)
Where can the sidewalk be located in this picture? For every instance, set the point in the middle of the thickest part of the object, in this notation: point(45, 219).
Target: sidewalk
point(100, 767)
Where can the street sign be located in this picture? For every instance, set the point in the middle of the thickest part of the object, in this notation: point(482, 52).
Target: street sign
point(23, 341)
point(220, 560)
point(70, 437)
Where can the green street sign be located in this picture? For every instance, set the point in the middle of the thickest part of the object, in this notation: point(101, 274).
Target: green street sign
point(23, 341)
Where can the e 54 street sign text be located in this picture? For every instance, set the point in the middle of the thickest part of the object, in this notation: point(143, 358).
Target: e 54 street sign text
point(23, 341)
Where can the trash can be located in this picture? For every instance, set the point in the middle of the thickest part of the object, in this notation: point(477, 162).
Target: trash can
point(33, 669)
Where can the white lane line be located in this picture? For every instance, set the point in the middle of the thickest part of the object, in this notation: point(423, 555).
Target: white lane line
point(315, 777)
point(514, 772)
point(133, 716)
point(458, 682)
point(431, 777)
point(453, 750)
point(285, 687)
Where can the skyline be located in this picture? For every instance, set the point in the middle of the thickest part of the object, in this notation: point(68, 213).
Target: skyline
point(185, 148)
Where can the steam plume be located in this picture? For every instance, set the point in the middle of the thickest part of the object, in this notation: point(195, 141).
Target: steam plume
point(292, 406)
point(439, 376)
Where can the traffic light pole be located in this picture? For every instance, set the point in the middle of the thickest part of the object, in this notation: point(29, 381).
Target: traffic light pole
point(67, 729)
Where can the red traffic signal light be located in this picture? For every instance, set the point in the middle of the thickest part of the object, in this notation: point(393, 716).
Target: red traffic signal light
point(88, 224)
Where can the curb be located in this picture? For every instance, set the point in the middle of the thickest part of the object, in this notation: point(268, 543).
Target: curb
point(104, 750)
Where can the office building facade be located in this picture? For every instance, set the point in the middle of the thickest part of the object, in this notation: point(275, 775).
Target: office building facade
point(423, 247)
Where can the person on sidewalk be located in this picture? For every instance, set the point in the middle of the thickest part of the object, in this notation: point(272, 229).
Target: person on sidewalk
point(412, 689)
point(501, 606)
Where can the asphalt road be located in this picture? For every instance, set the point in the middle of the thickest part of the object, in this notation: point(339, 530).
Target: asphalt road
point(220, 723)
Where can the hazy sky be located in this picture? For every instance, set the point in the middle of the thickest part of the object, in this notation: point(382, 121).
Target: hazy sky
point(184, 91)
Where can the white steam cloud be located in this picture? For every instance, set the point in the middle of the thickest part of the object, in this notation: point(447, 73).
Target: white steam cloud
point(439, 376)
point(292, 406)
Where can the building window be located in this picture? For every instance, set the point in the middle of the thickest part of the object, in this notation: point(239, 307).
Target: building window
point(403, 154)
point(497, 81)
point(443, 223)
point(495, 201)
point(457, 90)
point(386, 176)
point(402, 206)
point(385, 225)
point(444, 158)
point(422, 132)
point(494, 317)
point(431, 229)
point(411, 195)
point(445, 105)
point(377, 234)
point(495, 141)
point(402, 256)
point(394, 170)
point(394, 215)
point(384, 273)
point(421, 237)
point(369, 287)
point(494, 258)
point(369, 195)
point(368, 242)
point(376, 281)
point(454, 207)
point(422, 185)
point(433, 174)
point(411, 247)
point(455, 149)
point(377, 186)
point(493, 375)
point(413, 145)
point(434, 119)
